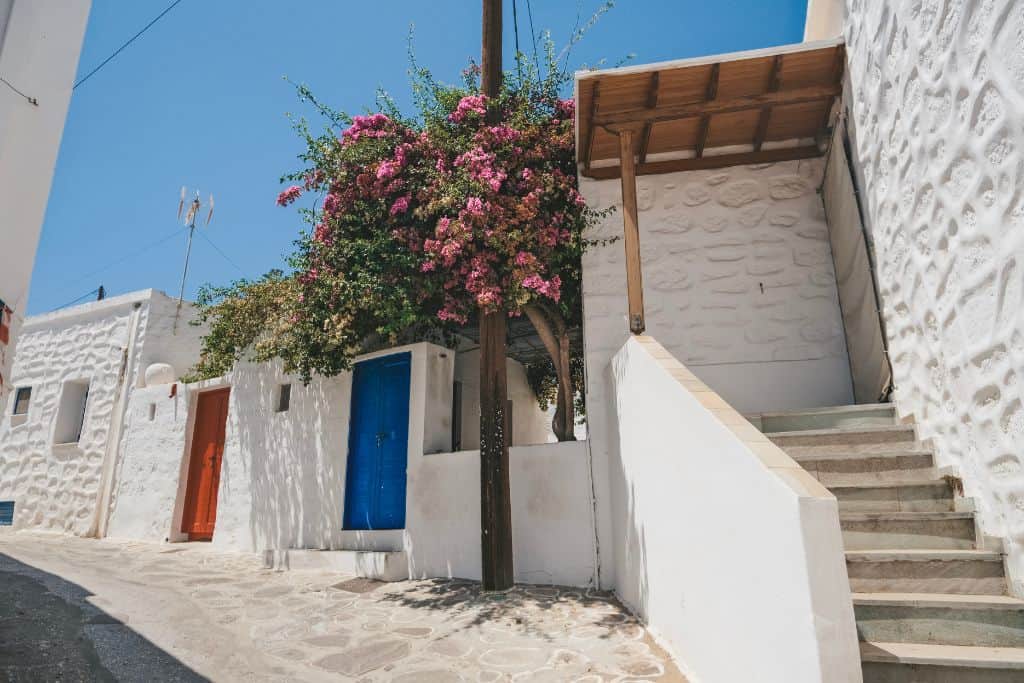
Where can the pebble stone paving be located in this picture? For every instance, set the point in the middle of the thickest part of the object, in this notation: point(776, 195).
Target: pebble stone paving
point(227, 618)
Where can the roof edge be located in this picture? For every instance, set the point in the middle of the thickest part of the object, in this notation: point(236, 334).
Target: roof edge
point(710, 59)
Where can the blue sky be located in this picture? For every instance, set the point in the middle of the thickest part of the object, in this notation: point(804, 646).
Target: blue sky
point(200, 100)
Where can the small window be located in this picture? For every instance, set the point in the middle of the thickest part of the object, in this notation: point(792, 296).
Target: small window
point(284, 397)
point(71, 412)
point(22, 396)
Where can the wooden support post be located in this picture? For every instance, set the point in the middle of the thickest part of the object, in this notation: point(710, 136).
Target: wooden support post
point(631, 228)
point(495, 497)
point(495, 494)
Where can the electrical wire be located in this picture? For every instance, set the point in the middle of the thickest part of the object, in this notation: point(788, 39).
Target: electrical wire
point(533, 33)
point(131, 255)
point(31, 100)
point(75, 301)
point(129, 42)
point(221, 252)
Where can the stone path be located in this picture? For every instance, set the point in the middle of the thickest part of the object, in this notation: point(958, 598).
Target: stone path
point(203, 614)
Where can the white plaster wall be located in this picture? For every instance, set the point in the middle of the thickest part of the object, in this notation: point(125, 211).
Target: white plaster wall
point(530, 424)
point(283, 474)
point(552, 515)
point(733, 555)
point(937, 105)
point(56, 487)
point(824, 19)
point(150, 466)
point(738, 282)
point(709, 241)
point(38, 55)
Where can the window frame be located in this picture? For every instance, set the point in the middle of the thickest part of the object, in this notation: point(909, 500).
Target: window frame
point(18, 391)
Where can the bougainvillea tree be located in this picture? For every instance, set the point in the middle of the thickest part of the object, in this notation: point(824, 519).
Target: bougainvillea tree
point(418, 224)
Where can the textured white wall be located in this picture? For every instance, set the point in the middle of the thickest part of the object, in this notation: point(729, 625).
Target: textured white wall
point(56, 487)
point(709, 241)
point(938, 100)
point(738, 282)
point(38, 55)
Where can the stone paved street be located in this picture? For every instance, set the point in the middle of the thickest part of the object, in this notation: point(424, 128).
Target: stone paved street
point(132, 611)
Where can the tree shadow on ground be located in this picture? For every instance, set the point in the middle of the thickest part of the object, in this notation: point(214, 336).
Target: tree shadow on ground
point(540, 611)
point(50, 631)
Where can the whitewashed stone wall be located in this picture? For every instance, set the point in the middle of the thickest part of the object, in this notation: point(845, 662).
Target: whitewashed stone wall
point(738, 282)
point(56, 487)
point(738, 285)
point(937, 107)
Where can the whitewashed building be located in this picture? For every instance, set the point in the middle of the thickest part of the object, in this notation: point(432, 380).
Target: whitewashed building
point(803, 367)
point(40, 41)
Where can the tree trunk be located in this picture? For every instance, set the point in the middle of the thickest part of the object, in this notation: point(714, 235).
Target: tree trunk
point(554, 335)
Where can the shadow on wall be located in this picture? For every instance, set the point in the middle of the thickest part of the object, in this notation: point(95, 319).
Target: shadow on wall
point(295, 459)
point(52, 632)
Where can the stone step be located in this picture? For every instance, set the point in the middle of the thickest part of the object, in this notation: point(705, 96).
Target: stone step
point(834, 417)
point(369, 564)
point(942, 619)
point(926, 663)
point(858, 439)
point(908, 530)
point(896, 496)
point(967, 572)
point(852, 469)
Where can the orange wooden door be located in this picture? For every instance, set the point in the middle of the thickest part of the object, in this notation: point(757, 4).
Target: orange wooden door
point(200, 511)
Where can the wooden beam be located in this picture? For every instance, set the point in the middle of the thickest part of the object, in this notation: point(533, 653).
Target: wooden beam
point(495, 494)
point(631, 234)
point(766, 112)
point(703, 163)
point(652, 102)
point(838, 67)
point(814, 93)
point(588, 145)
point(710, 93)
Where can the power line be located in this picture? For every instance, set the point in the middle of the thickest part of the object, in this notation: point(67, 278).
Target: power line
point(31, 100)
point(515, 25)
point(75, 301)
point(131, 255)
point(219, 251)
point(129, 42)
point(533, 33)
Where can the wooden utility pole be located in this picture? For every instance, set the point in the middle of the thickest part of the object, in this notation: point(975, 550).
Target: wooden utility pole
point(495, 496)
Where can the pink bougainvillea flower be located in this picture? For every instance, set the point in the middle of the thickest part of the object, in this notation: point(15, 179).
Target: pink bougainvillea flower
point(289, 195)
point(401, 205)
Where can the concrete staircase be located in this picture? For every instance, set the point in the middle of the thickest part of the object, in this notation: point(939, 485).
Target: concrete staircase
point(929, 594)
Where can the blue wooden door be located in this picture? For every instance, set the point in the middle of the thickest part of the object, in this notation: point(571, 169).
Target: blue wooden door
point(377, 444)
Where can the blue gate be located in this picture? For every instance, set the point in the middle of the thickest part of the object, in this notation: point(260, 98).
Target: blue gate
point(378, 440)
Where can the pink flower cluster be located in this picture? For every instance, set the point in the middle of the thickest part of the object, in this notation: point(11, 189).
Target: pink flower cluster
point(372, 126)
point(289, 195)
point(470, 104)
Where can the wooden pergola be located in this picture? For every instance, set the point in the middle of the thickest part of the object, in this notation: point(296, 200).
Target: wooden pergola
point(711, 112)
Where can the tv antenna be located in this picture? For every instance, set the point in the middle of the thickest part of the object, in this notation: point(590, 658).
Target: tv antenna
point(193, 212)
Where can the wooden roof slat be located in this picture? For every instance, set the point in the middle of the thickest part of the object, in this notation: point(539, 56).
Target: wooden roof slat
point(766, 113)
point(719, 106)
point(710, 93)
point(694, 108)
point(709, 162)
point(652, 102)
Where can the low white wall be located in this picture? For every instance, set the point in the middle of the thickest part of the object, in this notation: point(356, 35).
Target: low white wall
point(150, 469)
point(530, 424)
point(725, 546)
point(552, 515)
